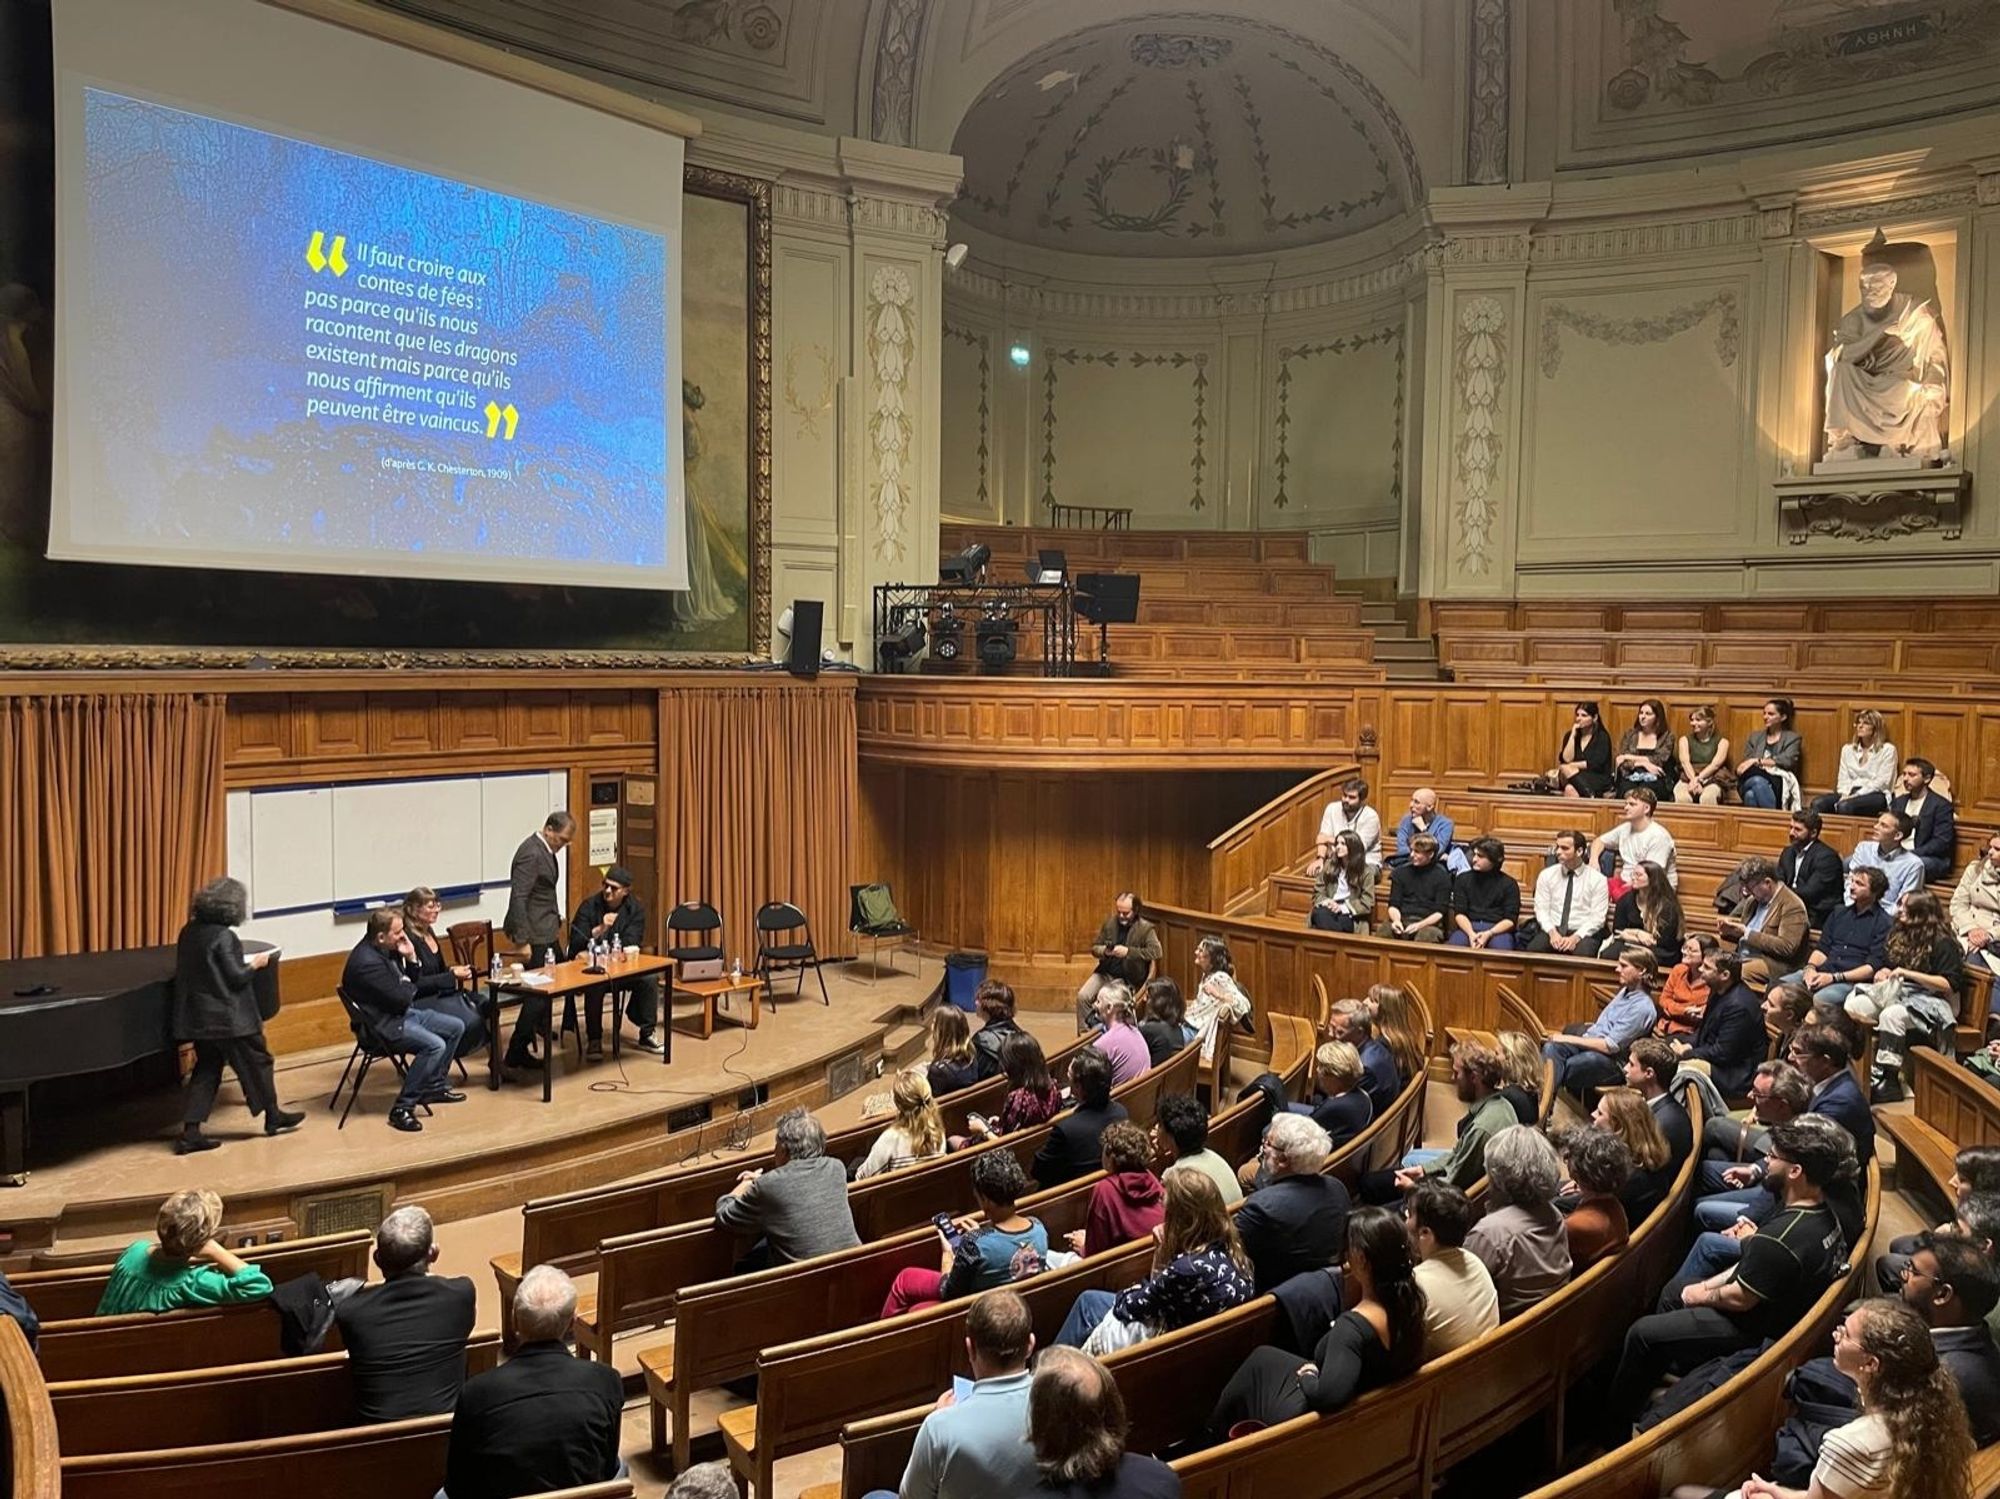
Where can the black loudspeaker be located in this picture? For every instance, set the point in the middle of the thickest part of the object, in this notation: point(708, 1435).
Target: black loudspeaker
point(804, 659)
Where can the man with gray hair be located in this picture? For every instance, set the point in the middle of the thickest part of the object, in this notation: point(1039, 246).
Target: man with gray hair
point(798, 1207)
point(1522, 1240)
point(544, 1419)
point(405, 1338)
point(705, 1481)
point(1298, 1221)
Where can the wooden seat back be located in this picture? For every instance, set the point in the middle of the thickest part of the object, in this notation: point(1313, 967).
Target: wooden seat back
point(393, 1460)
point(1293, 1038)
point(57, 1295)
point(238, 1403)
point(146, 1343)
point(27, 1420)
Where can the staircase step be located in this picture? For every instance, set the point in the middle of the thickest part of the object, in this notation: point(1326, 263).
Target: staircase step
point(1409, 671)
point(1405, 650)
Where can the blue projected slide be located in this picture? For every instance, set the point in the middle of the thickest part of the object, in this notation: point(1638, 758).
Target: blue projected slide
point(294, 357)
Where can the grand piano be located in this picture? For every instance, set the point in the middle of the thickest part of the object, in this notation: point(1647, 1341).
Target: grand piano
point(99, 1011)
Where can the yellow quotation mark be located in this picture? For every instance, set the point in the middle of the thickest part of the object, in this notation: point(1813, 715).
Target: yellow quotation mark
point(321, 258)
point(495, 414)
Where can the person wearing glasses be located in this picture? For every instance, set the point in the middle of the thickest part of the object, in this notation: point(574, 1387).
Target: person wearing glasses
point(615, 915)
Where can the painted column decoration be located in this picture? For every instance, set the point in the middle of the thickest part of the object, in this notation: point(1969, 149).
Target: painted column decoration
point(1479, 369)
point(1488, 94)
point(891, 349)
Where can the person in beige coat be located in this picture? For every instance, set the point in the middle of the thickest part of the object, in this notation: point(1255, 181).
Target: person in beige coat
point(1769, 928)
point(1975, 907)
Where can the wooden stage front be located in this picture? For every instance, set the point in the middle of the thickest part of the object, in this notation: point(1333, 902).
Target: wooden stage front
point(97, 1179)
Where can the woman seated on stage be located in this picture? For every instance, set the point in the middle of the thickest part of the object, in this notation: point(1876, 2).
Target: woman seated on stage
point(1032, 1095)
point(1376, 1341)
point(917, 1134)
point(1583, 764)
point(185, 1267)
point(952, 1065)
point(438, 981)
point(1647, 916)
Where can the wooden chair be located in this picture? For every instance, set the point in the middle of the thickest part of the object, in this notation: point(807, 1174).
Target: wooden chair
point(471, 944)
point(58, 1295)
point(29, 1420)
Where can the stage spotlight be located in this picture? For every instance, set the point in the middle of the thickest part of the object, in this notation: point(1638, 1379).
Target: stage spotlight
point(948, 635)
point(896, 646)
point(999, 640)
point(967, 566)
point(1048, 565)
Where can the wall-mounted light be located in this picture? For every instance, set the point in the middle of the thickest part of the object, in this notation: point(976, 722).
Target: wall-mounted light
point(955, 256)
point(1020, 355)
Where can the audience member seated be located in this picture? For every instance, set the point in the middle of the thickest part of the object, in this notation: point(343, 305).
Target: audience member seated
point(438, 982)
point(1779, 1092)
point(1521, 1239)
point(1126, 949)
point(1521, 1075)
point(1768, 773)
point(1180, 1129)
point(1583, 760)
point(995, 1003)
point(1645, 753)
point(183, 1265)
point(1975, 909)
point(1164, 1024)
point(1460, 1303)
point(1886, 851)
point(1350, 814)
point(1852, 944)
point(1769, 926)
point(1639, 837)
point(1338, 1105)
point(1647, 916)
point(1344, 889)
point(1423, 820)
point(1910, 1440)
point(952, 1065)
point(1076, 1139)
point(1933, 827)
point(1118, 1034)
point(991, 1247)
point(916, 1135)
point(1572, 902)
point(714, 1480)
point(1598, 1166)
point(1218, 999)
point(975, 1444)
point(797, 1207)
point(1786, 1263)
point(1589, 1056)
point(1953, 1284)
point(1199, 1270)
point(1485, 900)
point(1706, 774)
point(1623, 1114)
point(1130, 1202)
point(405, 1339)
point(613, 915)
point(1299, 1221)
point(1475, 1078)
point(15, 1306)
point(1394, 1021)
point(1824, 1054)
point(1377, 1340)
point(1420, 894)
point(1077, 1426)
point(543, 1420)
point(1786, 1008)
point(1975, 1169)
point(1349, 1020)
point(1731, 1039)
point(1810, 869)
point(1683, 997)
point(1032, 1095)
point(1916, 996)
point(1867, 771)
point(378, 982)
point(1649, 1071)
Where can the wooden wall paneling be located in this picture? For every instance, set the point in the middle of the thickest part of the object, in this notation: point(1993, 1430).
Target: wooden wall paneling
point(258, 727)
point(472, 722)
point(402, 723)
point(538, 720)
point(333, 726)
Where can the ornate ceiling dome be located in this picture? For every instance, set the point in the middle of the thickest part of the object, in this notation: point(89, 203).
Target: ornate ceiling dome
point(1183, 135)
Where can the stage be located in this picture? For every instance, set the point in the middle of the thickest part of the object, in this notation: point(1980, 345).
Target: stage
point(96, 1179)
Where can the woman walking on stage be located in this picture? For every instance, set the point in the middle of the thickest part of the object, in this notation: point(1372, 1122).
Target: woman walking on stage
point(215, 1008)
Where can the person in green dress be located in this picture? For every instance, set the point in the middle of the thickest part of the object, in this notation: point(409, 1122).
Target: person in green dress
point(184, 1266)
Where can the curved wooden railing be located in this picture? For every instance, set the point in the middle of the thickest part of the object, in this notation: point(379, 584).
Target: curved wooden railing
point(1243, 858)
point(32, 1458)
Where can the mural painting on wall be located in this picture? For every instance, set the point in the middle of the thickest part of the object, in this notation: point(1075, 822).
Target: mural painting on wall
point(725, 413)
point(1673, 54)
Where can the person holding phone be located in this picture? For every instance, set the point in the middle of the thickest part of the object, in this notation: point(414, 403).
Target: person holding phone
point(215, 1008)
point(981, 1251)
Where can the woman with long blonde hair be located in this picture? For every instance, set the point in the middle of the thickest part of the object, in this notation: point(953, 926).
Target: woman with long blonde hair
point(1625, 1113)
point(952, 1065)
point(1401, 1031)
point(1521, 1070)
point(917, 1134)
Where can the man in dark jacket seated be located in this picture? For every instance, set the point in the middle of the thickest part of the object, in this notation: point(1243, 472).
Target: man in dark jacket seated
point(614, 913)
point(378, 982)
point(405, 1338)
point(1730, 1037)
point(543, 1420)
point(1299, 1221)
point(1075, 1146)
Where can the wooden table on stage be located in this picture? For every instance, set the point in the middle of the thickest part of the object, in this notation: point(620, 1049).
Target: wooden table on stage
point(708, 991)
point(570, 980)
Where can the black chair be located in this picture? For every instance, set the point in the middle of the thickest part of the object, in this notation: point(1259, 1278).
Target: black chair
point(777, 921)
point(699, 919)
point(370, 1047)
point(872, 913)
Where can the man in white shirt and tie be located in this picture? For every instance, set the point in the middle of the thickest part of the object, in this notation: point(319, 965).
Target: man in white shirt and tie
point(1572, 901)
point(1351, 814)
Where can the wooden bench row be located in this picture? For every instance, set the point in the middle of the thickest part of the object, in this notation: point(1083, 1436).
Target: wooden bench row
point(1680, 658)
point(1099, 549)
point(1951, 1108)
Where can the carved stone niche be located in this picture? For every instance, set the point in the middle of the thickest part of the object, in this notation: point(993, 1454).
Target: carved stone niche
point(1881, 507)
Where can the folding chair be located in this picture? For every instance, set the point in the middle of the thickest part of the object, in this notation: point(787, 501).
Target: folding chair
point(370, 1047)
point(776, 921)
point(872, 914)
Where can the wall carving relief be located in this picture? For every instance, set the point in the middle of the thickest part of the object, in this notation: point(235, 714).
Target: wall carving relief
point(809, 385)
point(891, 357)
point(898, 49)
point(981, 345)
point(1557, 316)
point(1488, 86)
point(1479, 370)
point(1195, 363)
point(1290, 355)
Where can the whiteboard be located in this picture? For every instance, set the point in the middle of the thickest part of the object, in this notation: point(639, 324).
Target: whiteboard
point(391, 835)
point(291, 843)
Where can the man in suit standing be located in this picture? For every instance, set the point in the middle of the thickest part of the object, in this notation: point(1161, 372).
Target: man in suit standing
point(1769, 927)
point(405, 1338)
point(543, 1420)
point(380, 986)
point(1811, 869)
point(534, 920)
